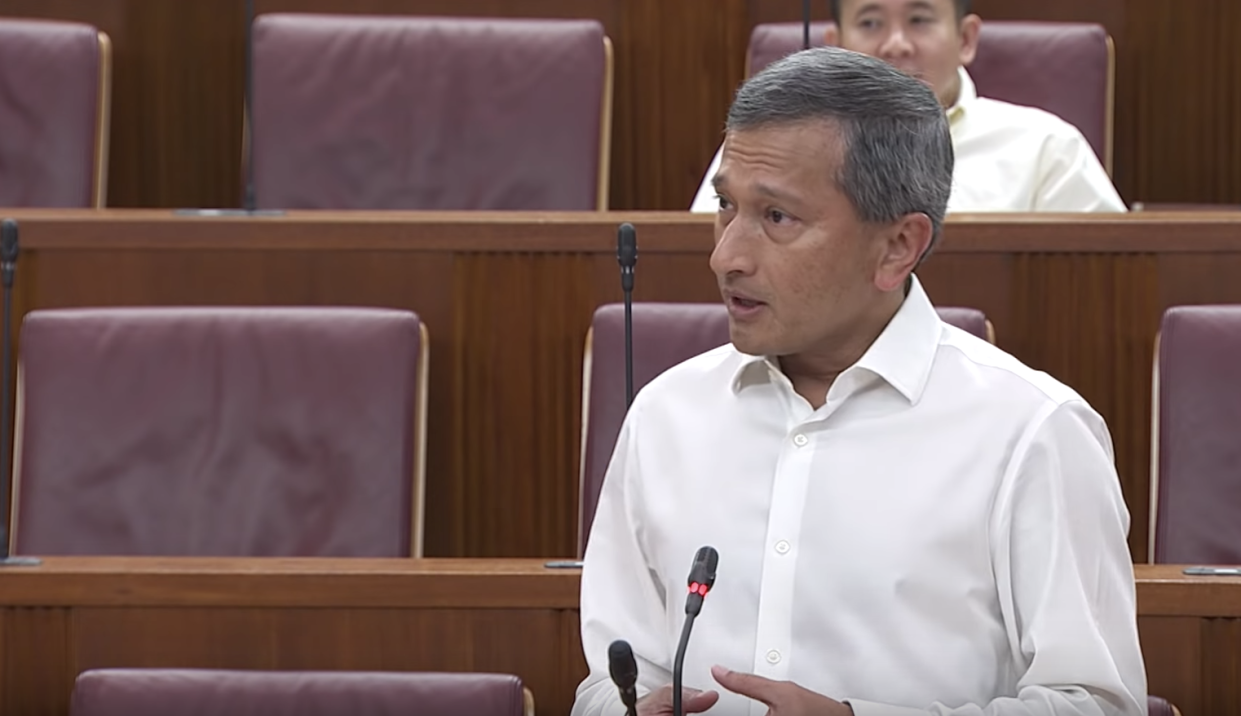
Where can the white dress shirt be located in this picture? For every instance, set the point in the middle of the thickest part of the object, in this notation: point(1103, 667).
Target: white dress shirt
point(945, 535)
point(1008, 158)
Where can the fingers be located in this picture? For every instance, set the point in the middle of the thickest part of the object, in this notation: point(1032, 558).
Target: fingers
point(694, 701)
point(751, 685)
point(659, 701)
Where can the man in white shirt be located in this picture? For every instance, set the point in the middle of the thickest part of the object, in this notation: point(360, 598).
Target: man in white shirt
point(1008, 157)
point(909, 520)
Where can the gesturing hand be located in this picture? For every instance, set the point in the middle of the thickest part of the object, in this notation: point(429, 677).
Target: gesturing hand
point(783, 698)
point(659, 701)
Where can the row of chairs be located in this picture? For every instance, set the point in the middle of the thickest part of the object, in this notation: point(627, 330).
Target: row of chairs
point(378, 113)
point(301, 431)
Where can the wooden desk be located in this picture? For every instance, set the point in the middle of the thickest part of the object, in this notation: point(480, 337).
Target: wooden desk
point(72, 614)
point(508, 299)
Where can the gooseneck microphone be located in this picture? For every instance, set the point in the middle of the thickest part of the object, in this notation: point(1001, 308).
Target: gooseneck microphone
point(624, 671)
point(8, 269)
point(805, 24)
point(701, 579)
point(627, 257)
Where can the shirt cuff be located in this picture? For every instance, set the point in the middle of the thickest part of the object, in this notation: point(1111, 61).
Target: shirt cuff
point(870, 708)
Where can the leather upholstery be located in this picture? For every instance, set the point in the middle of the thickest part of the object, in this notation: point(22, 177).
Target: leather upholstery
point(356, 112)
point(55, 94)
point(1156, 706)
point(1064, 68)
point(664, 334)
point(1196, 497)
point(203, 692)
point(219, 432)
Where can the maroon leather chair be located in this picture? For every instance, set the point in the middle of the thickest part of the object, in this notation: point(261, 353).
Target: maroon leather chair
point(220, 432)
point(1196, 466)
point(206, 692)
point(55, 107)
point(1156, 706)
point(1065, 68)
point(664, 334)
point(355, 112)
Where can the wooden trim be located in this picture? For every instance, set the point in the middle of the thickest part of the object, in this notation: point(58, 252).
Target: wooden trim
point(1110, 108)
point(588, 357)
point(103, 123)
point(1153, 508)
point(605, 127)
point(419, 508)
point(990, 331)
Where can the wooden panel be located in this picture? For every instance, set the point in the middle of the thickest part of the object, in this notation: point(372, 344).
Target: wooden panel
point(508, 299)
point(511, 616)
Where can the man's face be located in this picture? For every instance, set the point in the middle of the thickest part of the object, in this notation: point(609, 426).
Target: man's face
point(922, 38)
point(795, 265)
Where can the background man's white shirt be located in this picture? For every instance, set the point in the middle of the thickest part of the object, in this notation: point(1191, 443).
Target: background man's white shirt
point(1008, 158)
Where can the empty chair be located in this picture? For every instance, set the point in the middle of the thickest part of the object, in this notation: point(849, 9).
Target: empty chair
point(1065, 68)
point(664, 334)
point(1156, 706)
point(208, 692)
point(220, 432)
point(55, 106)
point(1196, 460)
point(356, 112)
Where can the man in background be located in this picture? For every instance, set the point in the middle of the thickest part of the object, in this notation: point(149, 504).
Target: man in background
point(1008, 157)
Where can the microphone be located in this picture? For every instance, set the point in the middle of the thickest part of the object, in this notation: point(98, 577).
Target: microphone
point(805, 24)
point(627, 257)
point(248, 201)
point(8, 269)
point(701, 579)
point(624, 672)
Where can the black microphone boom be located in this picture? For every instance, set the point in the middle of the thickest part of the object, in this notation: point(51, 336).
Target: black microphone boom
point(701, 579)
point(8, 269)
point(624, 671)
point(805, 24)
point(627, 257)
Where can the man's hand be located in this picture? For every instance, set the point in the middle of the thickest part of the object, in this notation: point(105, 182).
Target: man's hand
point(783, 698)
point(659, 702)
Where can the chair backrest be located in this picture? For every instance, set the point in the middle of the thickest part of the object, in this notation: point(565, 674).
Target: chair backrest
point(358, 112)
point(1156, 706)
point(1066, 68)
point(209, 692)
point(1196, 456)
point(664, 334)
point(55, 108)
point(220, 432)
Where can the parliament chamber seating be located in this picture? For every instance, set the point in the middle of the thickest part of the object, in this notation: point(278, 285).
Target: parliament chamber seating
point(1065, 68)
point(664, 334)
point(220, 432)
point(212, 692)
point(359, 112)
point(1196, 450)
point(55, 110)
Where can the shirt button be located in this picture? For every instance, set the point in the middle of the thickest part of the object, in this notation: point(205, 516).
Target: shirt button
point(800, 440)
point(773, 657)
point(782, 547)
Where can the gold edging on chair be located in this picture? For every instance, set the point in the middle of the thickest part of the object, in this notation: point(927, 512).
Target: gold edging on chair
point(1153, 518)
point(418, 509)
point(527, 700)
point(990, 331)
point(587, 363)
point(15, 488)
point(605, 127)
point(103, 122)
point(1109, 116)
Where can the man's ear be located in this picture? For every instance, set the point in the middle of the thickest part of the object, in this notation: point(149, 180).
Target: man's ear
point(831, 36)
point(904, 244)
point(971, 25)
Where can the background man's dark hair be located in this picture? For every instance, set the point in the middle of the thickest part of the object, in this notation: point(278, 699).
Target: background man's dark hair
point(963, 8)
point(898, 156)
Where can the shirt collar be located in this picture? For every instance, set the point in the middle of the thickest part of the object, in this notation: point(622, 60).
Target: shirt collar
point(902, 355)
point(965, 96)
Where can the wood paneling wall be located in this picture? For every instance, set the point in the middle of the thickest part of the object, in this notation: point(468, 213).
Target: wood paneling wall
point(176, 134)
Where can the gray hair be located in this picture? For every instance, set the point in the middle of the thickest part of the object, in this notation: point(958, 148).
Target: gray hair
point(898, 151)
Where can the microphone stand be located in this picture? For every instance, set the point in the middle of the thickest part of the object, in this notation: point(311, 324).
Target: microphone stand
point(627, 256)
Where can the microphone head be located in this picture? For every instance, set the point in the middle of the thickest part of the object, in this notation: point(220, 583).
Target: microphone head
point(621, 664)
point(8, 240)
point(703, 571)
point(627, 245)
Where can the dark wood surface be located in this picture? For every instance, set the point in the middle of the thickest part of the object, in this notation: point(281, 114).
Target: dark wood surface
point(513, 616)
point(508, 299)
point(176, 130)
